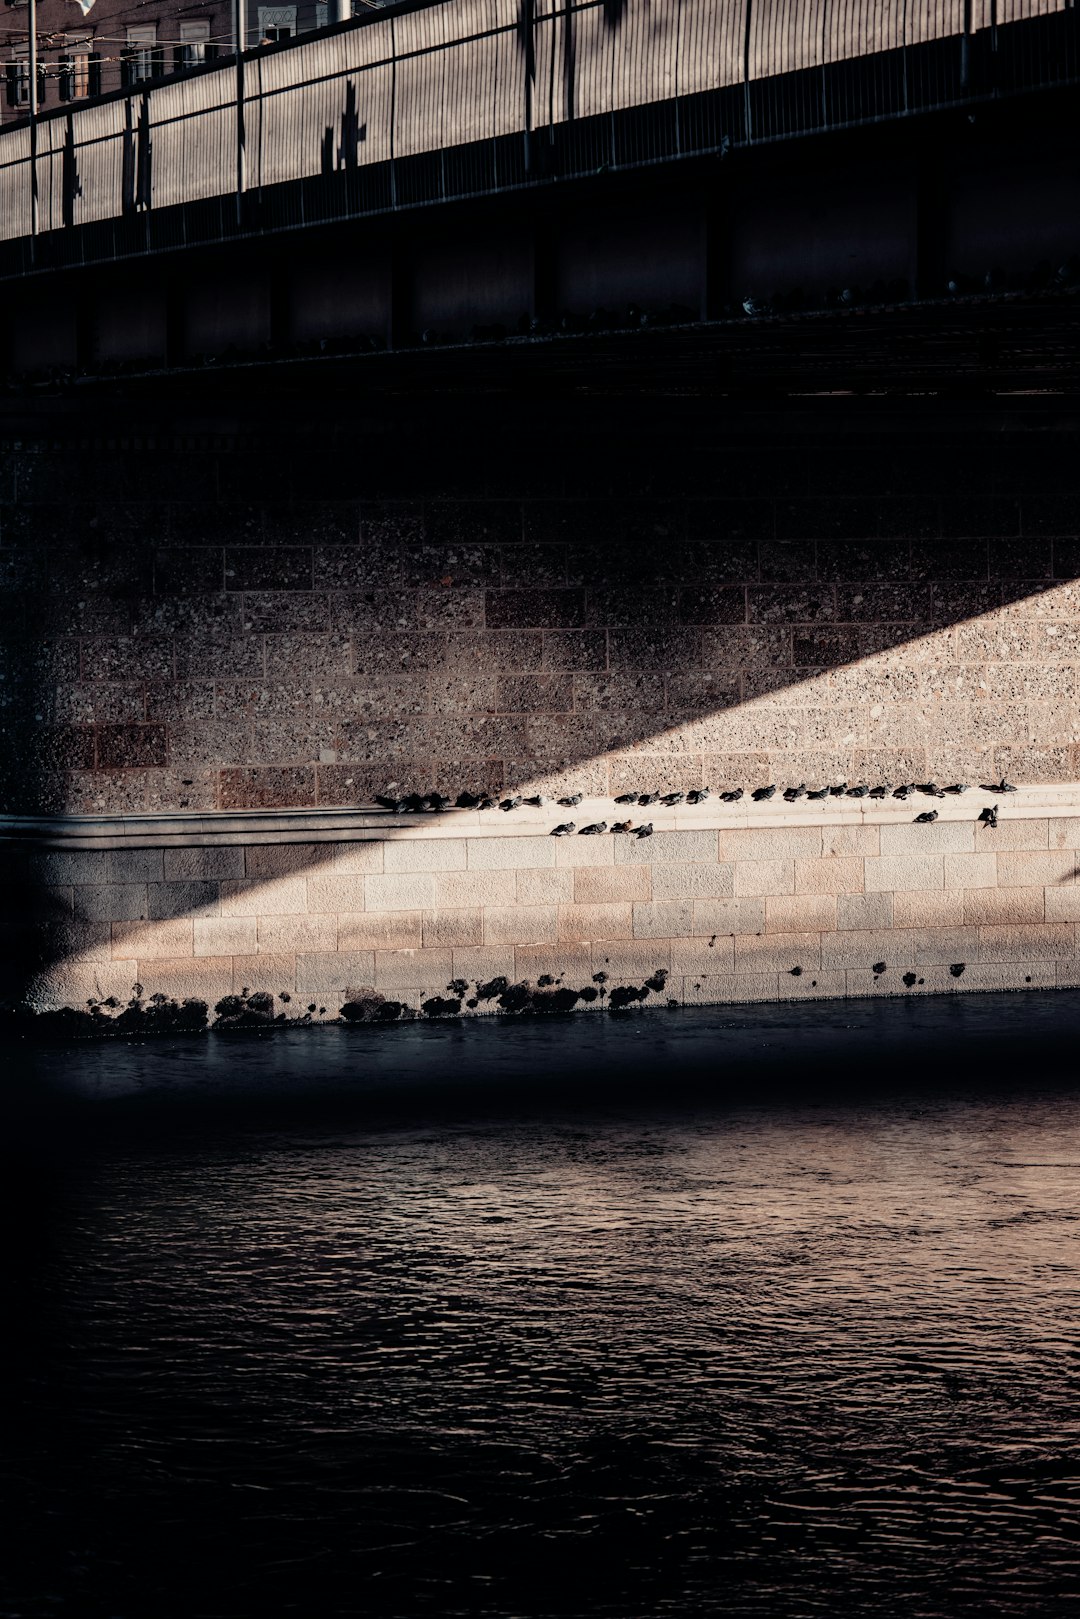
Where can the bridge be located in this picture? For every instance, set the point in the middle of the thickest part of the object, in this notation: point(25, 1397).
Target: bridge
point(506, 171)
point(553, 404)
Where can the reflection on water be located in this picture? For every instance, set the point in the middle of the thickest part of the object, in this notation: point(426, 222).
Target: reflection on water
point(771, 1353)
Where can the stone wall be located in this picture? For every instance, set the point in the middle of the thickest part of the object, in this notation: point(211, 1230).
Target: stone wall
point(488, 913)
point(655, 598)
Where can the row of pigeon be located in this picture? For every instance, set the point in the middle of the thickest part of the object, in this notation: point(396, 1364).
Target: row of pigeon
point(419, 803)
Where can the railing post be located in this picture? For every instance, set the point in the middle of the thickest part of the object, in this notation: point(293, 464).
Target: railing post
point(241, 165)
point(33, 123)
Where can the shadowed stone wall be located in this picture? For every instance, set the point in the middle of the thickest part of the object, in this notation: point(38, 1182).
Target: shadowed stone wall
point(589, 598)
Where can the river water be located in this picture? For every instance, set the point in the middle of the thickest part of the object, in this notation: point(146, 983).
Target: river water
point(773, 1312)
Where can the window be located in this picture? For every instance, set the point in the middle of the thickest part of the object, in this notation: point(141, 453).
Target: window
point(80, 71)
point(276, 22)
point(141, 59)
point(191, 51)
point(18, 83)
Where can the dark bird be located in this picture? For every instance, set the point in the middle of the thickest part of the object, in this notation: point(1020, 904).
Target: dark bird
point(537, 802)
point(880, 792)
point(731, 797)
point(839, 791)
point(564, 830)
point(989, 815)
point(958, 787)
point(930, 788)
point(386, 803)
point(648, 798)
point(858, 792)
point(510, 804)
point(698, 796)
point(468, 800)
point(1001, 786)
point(903, 792)
point(927, 816)
point(626, 798)
point(671, 799)
point(438, 802)
point(594, 830)
point(416, 802)
point(572, 801)
point(621, 826)
point(792, 793)
point(760, 794)
point(644, 831)
point(401, 806)
point(818, 794)
point(486, 803)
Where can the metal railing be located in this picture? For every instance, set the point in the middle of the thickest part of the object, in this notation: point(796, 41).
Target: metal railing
point(422, 103)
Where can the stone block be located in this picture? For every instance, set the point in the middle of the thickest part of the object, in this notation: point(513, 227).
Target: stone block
point(942, 837)
point(1006, 907)
point(587, 922)
point(1062, 904)
point(282, 934)
point(934, 908)
point(1053, 941)
point(800, 913)
point(754, 877)
point(1064, 832)
point(815, 986)
point(200, 865)
point(73, 983)
point(665, 846)
point(711, 956)
point(380, 930)
point(664, 919)
point(717, 917)
point(267, 787)
point(335, 891)
point(850, 840)
point(839, 874)
point(202, 978)
point(1056, 868)
point(461, 890)
point(66, 867)
point(334, 972)
point(270, 973)
point(428, 970)
point(152, 940)
point(408, 855)
point(401, 891)
point(630, 961)
point(269, 860)
point(358, 857)
point(136, 865)
point(863, 949)
point(929, 980)
point(983, 976)
point(520, 924)
point(970, 871)
point(453, 929)
point(225, 936)
point(712, 880)
point(612, 885)
point(937, 945)
point(287, 896)
point(771, 843)
point(573, 853)
point(182, 899)
point(777, 952)
point(480, 966)
point(719, 989)
point(110, 902)
point(569, 960)
point(901, 873)
point(546, 886)
point(860, 913)
point(513, 853)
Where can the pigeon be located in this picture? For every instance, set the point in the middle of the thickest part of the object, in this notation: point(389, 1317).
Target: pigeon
point(926, 817)
point(401, 806)
point(698, 796)
point(1001, 786)
point(858, 792)
point(903, 792)
point(648, 798)
point(486, 803)
point(626, 798)
point(386, 803)
point(564, 830)
point(468, 800)
point(958, 787)
point(572, 801)
point(510, 803)
point(930, 788)
point(671, 799)
point(438, 802)
point(761, 794)
point(594, 830)
point(839, 790)
point(536, 802)
point(880, 792)
point(731, 797)
point(416, 802)
point(792, 793)
point(989, 815)
point(644, 831)
point(620, 826)
point(816, 794)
